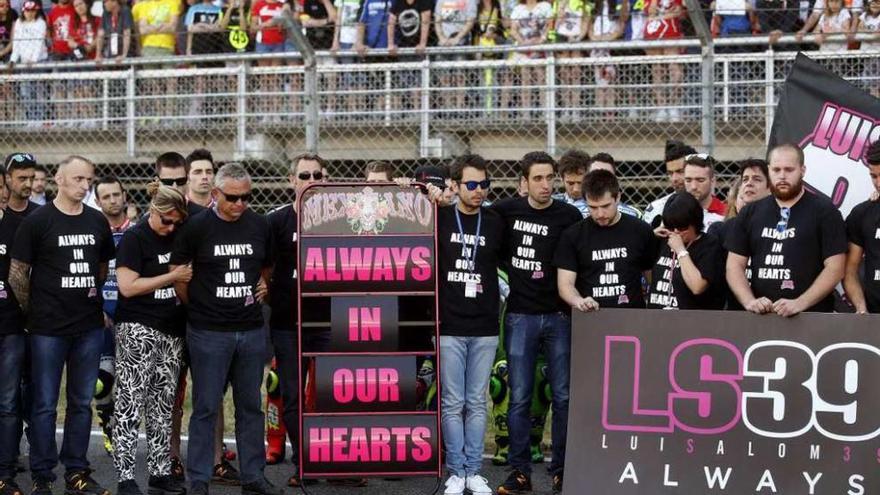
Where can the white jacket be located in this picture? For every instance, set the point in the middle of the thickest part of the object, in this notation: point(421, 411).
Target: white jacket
point(29, 41)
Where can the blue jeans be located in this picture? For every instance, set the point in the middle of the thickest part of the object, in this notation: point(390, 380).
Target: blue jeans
point(81, 354)
point(11, 362)
point(524, 337)
point(285, 344)
point(465, 366)
point(214, 356)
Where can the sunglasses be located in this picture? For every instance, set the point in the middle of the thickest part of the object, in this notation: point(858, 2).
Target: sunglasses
point(311, 175)
point(179, 181)
point(21, 157)
point(472, 185)
point(168, 221)
point(235, 198)
point(784, 216)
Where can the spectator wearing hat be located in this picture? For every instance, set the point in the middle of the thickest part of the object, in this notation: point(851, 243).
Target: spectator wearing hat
point(28, 48)
point(674, 159)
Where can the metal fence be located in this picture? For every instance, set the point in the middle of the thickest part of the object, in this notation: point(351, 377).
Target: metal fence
point(426, 110)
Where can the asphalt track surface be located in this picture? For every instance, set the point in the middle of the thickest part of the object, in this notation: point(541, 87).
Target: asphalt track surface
point(278, 474)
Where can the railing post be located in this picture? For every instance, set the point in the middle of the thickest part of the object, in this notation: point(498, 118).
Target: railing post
point(707, 75)
point(425, 115)
point(387, 97)
point(726, 90)
point(550, 102)
point(130, 119)
point(105, 104)
point(241, 110)
point(769, 92)
point(312, 107)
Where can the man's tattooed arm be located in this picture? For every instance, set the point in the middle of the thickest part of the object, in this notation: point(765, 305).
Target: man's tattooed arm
point(20, 282)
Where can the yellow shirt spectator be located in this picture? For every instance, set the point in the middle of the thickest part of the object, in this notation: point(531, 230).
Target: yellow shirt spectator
point(156, 13)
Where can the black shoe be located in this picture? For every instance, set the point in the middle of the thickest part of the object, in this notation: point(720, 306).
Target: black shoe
point(81, 483)
point(177, 470)
point(128, 487)
point(225, 474)
point(198, 488)
point(164, 485)
point(557, 483)
point(42, 487)
point(262, 487)
point(517, 482)
point(8, 487)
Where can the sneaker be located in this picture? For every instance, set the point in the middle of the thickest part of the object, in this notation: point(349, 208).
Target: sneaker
point(349, 482)
point(295, 481)
point(478, 485)
point(165, 485)
point(557, 483)
point(261, 487)
point(177, 470)
point(225, 474)
point(128, 487)
point(454, 485)
point(8, 487)
point(517, 482)
point(81, 483)
point(198, 488)
point(42, 487)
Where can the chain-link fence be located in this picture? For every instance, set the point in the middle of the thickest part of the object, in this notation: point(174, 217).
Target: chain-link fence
point(408, 113)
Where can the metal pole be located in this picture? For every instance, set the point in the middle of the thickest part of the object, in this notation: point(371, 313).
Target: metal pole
point(105, 104)
point(425, 117)
point(769, 93)
point(550, 103)
point(241, 110)
point(130, 113)
point(310, 94)
point(707, 74)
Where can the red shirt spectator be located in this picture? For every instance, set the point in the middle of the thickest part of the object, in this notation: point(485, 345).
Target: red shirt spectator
point(717, 206)
point(266, 11)
point(61, 28)
point(664, 19)
point(86, 33)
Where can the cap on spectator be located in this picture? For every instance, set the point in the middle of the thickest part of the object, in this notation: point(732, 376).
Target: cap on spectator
point(21, 160)
point(430, 174)
point(677, 149)
point(30, 5)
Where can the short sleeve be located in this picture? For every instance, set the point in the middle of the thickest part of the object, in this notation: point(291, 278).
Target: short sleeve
point(565, 256)
point(130, 253)
point(190, 16)
point(127, 20)
point(737, 240)
point(471, 12)
point(652, 247)
point(707, 260)
point(832, 229)
point(853, 226)
point(108, 248)
point(271, 246)
point(25, 242)
point(183, 251)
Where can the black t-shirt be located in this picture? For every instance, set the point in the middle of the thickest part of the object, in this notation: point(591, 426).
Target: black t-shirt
point(720, 231)
point(211, 42)
point(707, 254)
point(11, 319)
point(531, 237)
point(785, 264)
point(65, 253)
point(409, 21)
point(321, 38)
point(30, 208)
point(192, 208)
point(227, 260)
point(609, 261)
point(282, 288)
point(863, 230)
point(468, 298)
point(143, 251)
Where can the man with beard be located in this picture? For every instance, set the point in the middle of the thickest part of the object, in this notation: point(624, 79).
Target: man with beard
point(796, 241)
point(20, 172)
point(864, 243)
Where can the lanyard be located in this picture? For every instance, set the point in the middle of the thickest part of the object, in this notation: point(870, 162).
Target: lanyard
point(473, 261)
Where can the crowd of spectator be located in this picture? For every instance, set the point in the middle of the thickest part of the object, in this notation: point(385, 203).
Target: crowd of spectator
point(34, 31)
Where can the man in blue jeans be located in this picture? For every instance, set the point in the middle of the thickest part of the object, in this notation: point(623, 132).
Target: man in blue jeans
point(537, 319)
point(59, 261)
point(230, 249)
point(469, 240)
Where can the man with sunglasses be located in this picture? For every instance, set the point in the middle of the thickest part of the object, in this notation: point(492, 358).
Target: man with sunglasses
point(536, 317)
point(699, 181)
point(863, 231)
point(172, 170)
point(230, 248)
point(796, 241)
point(305, 170)
point(469, 240)
point(21, 168)
point(111, 199)
point(59, 262)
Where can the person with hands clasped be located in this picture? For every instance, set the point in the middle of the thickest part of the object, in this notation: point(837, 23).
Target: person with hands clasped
point(864, 244)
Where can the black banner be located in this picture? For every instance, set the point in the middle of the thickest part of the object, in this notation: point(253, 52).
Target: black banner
point(366, 210)
point(376, 444)
point(833, 122)
point(365, 383)
point(694, 402)
point(364, 324)
point(367, 264)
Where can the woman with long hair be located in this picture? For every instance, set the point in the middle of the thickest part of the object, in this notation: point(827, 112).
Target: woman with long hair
point(150, 328)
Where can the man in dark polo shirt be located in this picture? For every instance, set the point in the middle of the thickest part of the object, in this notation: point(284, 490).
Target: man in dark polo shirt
point(796, 241)
point(230, 248)
point(59, 262)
